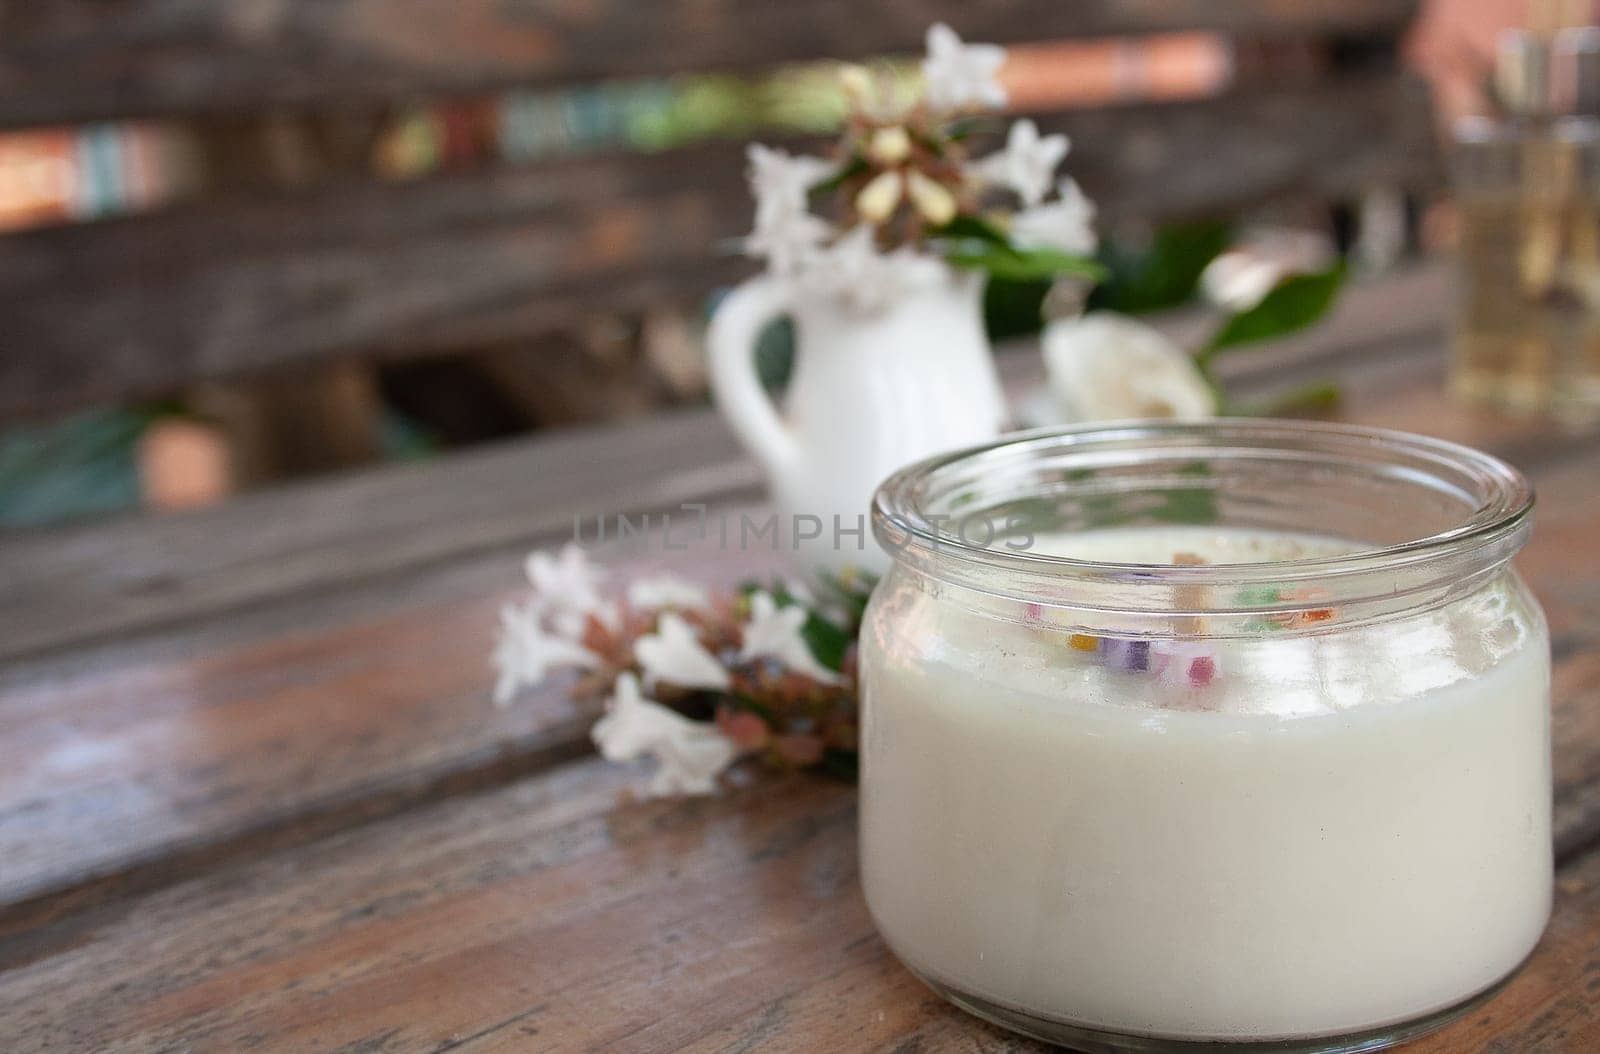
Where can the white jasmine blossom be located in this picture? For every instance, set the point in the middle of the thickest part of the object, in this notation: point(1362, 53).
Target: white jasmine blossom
point(525, 653)
point(786, 233)
point(780, 180)
point(1106, 366)
point(567, 587)
point(666, 591)
point(1026, 165)
point(773, 632)
point(960, 75)
point(674, 654)
point(1066, 224)
point(689, 754)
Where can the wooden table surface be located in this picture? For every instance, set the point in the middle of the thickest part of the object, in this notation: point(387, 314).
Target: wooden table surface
point(253, 795)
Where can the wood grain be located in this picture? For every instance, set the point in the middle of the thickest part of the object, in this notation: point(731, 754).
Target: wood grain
point(555, 916)
point(127, 770)
point(74, 60)
point(134, 307)
point(65, 586)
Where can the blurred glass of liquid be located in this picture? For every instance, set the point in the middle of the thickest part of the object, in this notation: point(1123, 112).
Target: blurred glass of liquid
point(1527, 184)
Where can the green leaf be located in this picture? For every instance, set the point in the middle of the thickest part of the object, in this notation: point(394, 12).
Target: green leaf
point(1294, 304)
point(849, 170)
point(1010, 264)
point(965, 127)
point(826, 641)
point(974, 228)
point(1163, 273)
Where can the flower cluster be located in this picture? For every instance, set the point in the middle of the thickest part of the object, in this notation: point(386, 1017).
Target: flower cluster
point(905, 195)
point(694, 680)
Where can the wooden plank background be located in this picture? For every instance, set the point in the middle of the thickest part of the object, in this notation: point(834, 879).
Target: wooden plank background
point(73, 60)
point(134, 306)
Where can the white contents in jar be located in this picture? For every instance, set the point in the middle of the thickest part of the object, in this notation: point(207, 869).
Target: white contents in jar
point(1268, 835)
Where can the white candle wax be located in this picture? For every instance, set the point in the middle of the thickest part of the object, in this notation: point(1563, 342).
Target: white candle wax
point(1336, 831)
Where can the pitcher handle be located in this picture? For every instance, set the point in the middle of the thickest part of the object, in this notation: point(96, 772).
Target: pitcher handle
point(731, 343)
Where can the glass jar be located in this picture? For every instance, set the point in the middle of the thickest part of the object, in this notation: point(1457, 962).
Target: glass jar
point(1226, 732)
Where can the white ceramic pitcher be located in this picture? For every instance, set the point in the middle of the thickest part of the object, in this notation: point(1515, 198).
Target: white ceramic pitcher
point(871, 390)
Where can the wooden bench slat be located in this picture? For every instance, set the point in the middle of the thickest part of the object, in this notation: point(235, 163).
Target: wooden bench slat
point(73, 60)
point(62, 586)
point(135, 770)
point(141, 305)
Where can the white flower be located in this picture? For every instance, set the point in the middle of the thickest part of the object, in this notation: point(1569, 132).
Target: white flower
point(866, 279)
point(786, 233)
point(800, 591)
point(666, 591)
point(1238, 282)
point(780, 181)
point(1106, 366)
point(674, 654)
point(525, 653)
point(566, 586)
point(960, 75)
point(773, 632)
point(1066, 224)
point(689, 754)
point(1026, 165)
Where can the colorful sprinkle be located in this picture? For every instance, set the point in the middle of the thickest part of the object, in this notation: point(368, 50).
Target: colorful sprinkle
point(1128, 654)
point(1083, 642)
point(1202, 670)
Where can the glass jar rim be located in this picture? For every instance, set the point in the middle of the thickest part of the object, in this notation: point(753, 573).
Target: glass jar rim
point(1499, 499)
